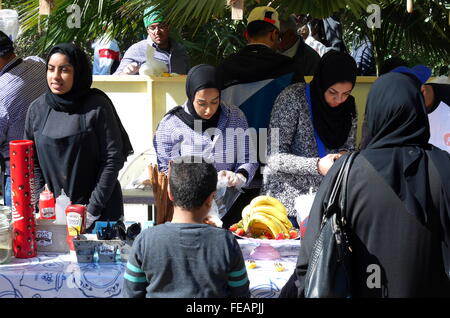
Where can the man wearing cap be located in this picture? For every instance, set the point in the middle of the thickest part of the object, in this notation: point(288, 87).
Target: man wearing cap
point(437, 104)
point(21, 82)
point(292, 45)
point(252, 79)
point(167, 50)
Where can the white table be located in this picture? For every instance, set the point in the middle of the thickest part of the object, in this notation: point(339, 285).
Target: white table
point(59, 275)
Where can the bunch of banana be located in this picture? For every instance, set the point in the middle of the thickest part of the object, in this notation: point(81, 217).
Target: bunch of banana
point(264, 215)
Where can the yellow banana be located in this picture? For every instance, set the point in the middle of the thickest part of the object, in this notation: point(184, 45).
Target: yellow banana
point(281, 226)
point(269, 209)
point(272, 223)
point(268, 200)
point(246, 212)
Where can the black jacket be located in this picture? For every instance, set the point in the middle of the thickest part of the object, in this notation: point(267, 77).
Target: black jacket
point(79, 152)
point(384, 234)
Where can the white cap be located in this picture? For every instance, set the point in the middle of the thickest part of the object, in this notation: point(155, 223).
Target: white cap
point(266, 14)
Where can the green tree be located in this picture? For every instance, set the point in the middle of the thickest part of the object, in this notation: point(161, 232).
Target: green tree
point(206, 29)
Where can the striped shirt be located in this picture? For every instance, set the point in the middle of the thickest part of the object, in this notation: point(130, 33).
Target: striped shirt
point(230, 148)
point(180, 260)
point(177, 59)
point(20, 86)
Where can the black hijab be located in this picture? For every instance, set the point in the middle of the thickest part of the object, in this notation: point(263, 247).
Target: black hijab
point(71, 101)
point(397, 132)
point(82, 79)
point(333, 124)
point(199, 77)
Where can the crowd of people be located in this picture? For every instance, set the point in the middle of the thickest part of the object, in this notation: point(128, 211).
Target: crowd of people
point(304, 131)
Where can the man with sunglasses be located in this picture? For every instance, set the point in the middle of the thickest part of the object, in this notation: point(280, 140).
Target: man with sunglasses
point(167, 50)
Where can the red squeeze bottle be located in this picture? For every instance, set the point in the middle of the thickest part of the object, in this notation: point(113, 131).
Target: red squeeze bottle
point(47, 205)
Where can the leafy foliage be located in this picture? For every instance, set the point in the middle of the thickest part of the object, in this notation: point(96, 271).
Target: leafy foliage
point(206, 29)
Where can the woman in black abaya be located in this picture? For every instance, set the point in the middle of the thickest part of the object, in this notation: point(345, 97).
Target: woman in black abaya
point(79, 140)
point(398, 201)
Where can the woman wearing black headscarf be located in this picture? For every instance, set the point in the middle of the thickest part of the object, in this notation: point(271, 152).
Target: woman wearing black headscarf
point(79, 140)
point(315, 124)
point(206, 127)
point(398, 200)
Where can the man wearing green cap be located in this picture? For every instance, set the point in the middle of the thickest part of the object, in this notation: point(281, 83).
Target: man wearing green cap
point(167, 50)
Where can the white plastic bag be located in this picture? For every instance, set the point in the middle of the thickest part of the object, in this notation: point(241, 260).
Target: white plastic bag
point(152, 67)
point(225, 196)
point(213, 215)
point(302, 205)
point(9, 23)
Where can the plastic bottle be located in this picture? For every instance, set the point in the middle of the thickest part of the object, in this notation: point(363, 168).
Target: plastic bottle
point(62, 202)
point(47, 205)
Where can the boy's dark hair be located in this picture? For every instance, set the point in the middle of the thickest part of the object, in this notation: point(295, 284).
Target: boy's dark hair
point(191, 182)
point(256, 29)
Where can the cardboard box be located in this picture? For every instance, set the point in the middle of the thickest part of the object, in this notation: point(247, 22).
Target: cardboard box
point(51, 237)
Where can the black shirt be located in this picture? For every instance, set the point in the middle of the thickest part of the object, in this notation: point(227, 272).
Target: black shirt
point(80, 152)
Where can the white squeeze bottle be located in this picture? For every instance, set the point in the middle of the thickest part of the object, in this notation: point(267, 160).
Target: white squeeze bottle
point(60, 207)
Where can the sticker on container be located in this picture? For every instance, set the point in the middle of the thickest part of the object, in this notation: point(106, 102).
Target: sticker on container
point(74, 222)
point(106, 249)
point(44, 238)
point(48, 213)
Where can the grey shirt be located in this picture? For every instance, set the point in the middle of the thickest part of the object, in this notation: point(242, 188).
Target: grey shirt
point(180, 260)
point(177, 59)
point(292, 166)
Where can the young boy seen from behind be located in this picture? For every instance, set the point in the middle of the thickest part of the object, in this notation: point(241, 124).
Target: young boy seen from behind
point(187, 258)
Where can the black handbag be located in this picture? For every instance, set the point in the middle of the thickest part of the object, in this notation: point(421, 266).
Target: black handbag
point(329, 270)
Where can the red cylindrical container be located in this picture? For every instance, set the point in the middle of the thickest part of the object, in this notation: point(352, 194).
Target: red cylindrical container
point(22, 187)
point(47, 205)
point(76, 222)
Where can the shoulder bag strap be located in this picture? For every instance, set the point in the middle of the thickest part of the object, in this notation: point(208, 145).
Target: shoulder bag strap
point(332, 198)
point(343, 194)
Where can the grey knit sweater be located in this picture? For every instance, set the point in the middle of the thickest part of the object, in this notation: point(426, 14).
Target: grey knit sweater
point(292, 168)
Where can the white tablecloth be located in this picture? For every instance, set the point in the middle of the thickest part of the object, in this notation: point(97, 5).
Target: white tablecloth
point(59, 275)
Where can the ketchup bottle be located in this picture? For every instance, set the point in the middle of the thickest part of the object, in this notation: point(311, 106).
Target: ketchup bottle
point(47, 205)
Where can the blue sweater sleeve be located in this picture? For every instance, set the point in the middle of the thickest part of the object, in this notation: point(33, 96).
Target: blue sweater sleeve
point(134, 279)
point(237, 277)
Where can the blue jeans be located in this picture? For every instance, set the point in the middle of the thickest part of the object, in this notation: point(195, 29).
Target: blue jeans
point(7, 190)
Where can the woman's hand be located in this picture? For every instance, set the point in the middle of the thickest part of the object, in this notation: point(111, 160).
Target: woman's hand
point(234, 179)
point(90, 219)
point(326, 162)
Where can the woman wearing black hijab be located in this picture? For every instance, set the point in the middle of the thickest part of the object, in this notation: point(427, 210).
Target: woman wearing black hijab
point(398, 201)
point(206, 127)
point(79, 140)
point(315, 123)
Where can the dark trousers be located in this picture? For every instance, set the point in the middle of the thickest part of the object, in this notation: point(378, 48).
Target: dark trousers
point(234, 215)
